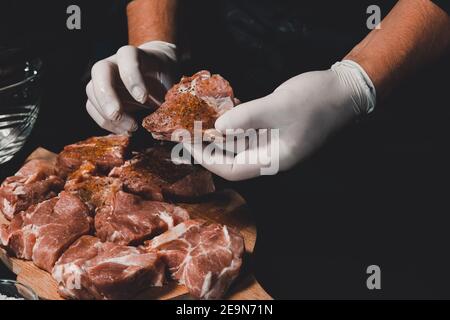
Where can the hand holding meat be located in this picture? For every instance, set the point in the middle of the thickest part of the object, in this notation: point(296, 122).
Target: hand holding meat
point(306, 109)
point(143, 72)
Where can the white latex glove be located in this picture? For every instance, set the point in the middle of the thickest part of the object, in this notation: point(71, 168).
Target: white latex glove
point(145, 72)
point(306, 109)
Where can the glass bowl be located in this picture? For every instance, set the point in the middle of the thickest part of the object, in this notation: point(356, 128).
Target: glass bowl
point(20, 93)
point(13, 290)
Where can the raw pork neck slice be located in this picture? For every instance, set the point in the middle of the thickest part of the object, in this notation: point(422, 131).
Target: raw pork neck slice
point(34, 182)
point(95, 191)
point(45, 230)
point(201, 97)
point(104, 152)
point(205, 258)
point(91, 269)
point(153, 175)
point(131, 220)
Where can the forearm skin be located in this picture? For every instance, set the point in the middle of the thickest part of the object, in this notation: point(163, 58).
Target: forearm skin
point(413, 34)
point(151, 20)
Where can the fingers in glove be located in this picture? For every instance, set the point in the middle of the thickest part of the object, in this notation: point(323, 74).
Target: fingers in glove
point(234, 141)
point(251, 163)
point(104, 76)
point(249, 115)
point(130, 73)
point(124, 126)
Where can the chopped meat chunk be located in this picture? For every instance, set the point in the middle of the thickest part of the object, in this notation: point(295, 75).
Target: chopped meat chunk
point(95, 191)
point(34, 182)
point(201, 97)
point(130, 220)
point(154, 175)
point(90, 269)
point(104, 152)
point(45, 230)
point(205, 258)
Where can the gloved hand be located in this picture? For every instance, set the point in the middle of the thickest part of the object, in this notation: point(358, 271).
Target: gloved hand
point(306, 109)
point(144, 72)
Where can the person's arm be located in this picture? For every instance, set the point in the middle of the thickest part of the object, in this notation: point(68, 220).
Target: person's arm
point(414, 33)
point(150, 20)
point(310, 107)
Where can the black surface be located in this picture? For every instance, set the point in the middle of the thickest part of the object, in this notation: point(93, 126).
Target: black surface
point(376, 194)
point(5, 273)
point(443, 4)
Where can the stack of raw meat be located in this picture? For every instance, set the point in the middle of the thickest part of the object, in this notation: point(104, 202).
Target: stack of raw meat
point(102, 225)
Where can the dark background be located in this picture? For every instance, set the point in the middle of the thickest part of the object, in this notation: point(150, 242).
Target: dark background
point(40, 28)
point(375, 194)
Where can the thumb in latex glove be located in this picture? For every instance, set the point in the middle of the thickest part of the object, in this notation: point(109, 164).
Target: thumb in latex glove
point(144, 73)
point(305, 109)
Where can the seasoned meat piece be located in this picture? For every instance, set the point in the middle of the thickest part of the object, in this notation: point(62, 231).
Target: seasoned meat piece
point(205, 258)
point(130, 220)
point(154, 175)
point(95, 191)
point(34, 182)
point(104, 152)
point(201, 97)
point(45, 230)
point(90, 269)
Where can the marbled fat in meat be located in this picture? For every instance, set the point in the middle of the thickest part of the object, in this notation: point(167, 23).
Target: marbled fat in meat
point(45, 230)
point(206, 258)
point(36, 181)
point(131, 220)
point(91, 269)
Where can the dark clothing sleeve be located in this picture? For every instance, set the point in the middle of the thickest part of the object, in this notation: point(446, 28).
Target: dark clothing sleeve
point(444, 4)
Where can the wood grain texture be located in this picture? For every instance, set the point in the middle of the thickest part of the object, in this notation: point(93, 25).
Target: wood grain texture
point(226, 207)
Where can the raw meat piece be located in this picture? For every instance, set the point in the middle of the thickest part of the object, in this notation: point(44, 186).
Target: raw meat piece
point(201, 97)
point(130, 220)
point(95, 191)
point(45, 230)
point(104, 152)
point(153, 175)
point(205, 258)
point(90, 269)
point(34, 182)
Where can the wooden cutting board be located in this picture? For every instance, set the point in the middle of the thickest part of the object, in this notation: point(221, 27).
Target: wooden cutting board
point(226, 207)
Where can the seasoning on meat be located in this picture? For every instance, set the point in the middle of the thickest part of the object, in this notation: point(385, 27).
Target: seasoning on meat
point(153, 175)
point(95, 191)
point(201, 97)
point(104, 152)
